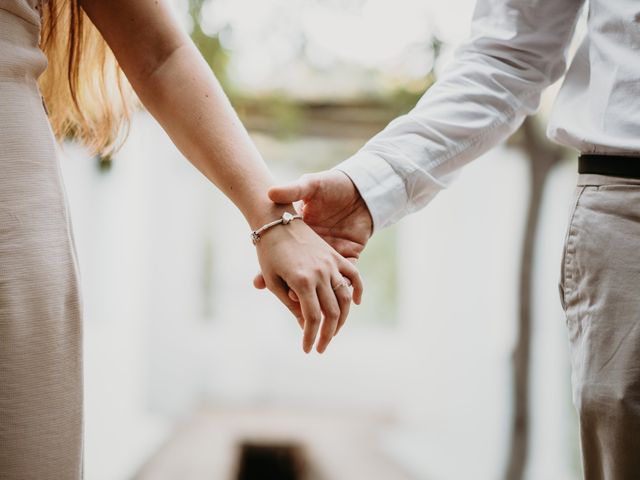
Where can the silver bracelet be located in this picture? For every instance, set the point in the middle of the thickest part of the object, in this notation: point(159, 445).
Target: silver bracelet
point(284, 220)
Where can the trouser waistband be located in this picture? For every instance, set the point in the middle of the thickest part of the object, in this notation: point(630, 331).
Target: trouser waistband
point(610, 165)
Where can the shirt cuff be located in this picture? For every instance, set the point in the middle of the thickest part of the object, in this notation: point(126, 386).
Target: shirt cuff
point(382, 189)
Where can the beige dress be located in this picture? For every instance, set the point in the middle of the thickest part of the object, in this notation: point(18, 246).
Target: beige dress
point(41, 415)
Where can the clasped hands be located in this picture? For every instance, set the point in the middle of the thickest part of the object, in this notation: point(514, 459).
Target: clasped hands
point(309, 264)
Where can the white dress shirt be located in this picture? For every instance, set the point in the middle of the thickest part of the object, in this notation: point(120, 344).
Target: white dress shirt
point(516, 49)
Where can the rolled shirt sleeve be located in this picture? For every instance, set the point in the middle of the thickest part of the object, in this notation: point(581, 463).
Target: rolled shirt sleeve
point(516, 49)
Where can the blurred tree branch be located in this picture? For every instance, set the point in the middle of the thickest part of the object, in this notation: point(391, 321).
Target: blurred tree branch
point(542, 157)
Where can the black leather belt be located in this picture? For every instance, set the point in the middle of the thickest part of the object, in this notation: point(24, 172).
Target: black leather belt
point(612, 165)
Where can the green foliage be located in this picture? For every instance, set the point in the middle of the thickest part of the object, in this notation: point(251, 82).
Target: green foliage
point(404, 99)
point(210, 48)
point(286, 115)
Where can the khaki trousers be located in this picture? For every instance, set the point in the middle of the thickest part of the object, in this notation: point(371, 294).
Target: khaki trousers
point(600, 292)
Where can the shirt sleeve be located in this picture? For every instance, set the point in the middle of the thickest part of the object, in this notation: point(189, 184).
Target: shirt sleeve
point(516, 49)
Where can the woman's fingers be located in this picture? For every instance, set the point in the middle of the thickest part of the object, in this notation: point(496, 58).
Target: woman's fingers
point(258, 282)
point(348, 270)
point(343, 295)
point(339, 302)
point(305, 283)
point(306, 292)
point(335, 303)
point(332, 313)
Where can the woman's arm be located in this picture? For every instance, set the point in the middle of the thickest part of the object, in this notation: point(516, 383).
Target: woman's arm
point(178, 88)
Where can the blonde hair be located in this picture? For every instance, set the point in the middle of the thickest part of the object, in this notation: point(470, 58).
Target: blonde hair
point(84, 89)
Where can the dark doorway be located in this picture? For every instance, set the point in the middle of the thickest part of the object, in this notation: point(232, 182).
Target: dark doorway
point(264, 461)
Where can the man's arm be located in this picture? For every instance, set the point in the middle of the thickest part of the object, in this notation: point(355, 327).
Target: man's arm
point(517, 48)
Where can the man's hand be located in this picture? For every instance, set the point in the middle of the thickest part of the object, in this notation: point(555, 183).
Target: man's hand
point(333, 207)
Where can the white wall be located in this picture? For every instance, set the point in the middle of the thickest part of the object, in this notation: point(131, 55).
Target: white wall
point(441, 368)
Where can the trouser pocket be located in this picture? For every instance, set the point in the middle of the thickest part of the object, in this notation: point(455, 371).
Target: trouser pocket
point(568, 248)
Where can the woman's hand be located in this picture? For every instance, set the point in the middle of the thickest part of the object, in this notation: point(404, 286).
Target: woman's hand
point(179, 89)
point(294, 257)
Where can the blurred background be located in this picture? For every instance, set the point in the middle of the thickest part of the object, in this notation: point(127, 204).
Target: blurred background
point(193, 374)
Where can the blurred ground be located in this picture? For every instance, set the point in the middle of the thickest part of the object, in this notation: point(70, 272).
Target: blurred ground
point(334, 445)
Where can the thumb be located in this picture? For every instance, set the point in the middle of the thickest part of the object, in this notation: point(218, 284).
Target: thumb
point(301, 189)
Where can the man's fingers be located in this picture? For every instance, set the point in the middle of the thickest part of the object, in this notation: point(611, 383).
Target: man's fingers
point(292, 303)
point(293, 296)
point(347, 248)
point(301, 189)
point(332, 312)
point(259, 282)
point(280, 289)
point(288, 193)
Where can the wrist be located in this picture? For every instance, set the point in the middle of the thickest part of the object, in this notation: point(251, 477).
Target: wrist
point(267, 214)
point(286, 219)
